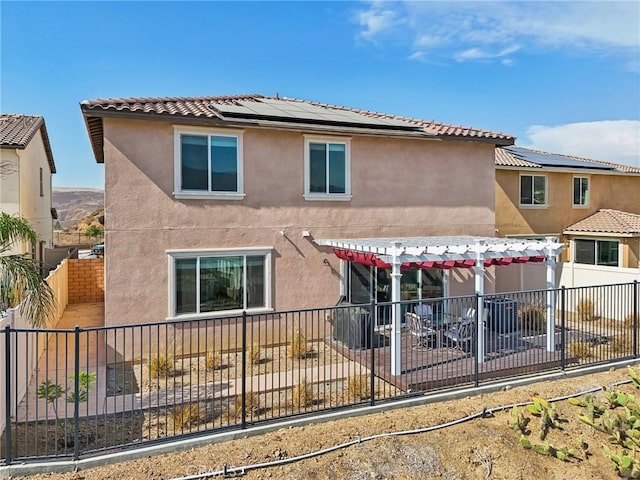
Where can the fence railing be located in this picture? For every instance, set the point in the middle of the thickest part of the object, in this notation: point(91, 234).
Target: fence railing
point(101, 389)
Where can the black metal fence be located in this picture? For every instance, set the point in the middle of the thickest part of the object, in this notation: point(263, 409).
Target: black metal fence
point(92, 390)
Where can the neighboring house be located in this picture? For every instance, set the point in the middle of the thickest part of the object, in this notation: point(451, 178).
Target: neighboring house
point(212, 203)
point(26, 168)
point(607, 237)
point(541, 194)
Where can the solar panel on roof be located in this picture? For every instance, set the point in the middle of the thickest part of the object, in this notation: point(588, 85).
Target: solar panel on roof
point(553, 160)
point(296, 111)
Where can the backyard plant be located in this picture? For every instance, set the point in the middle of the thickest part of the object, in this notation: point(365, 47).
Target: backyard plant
point(582, 350)
point(626, 466)
point(20, 277)
point(532, 318)
point(585, 310)
point(298, 348)
point(635, 378)
point(547, 413)
point(185, 416)
point(359, 388)
point(562, 453)
point(161, 366)
point(518, 421)
point(94, 231)
point(252, 402)
point(51, 392)
point(593, 406)
point(214, 360)
point(254, 354)
point(302, 394)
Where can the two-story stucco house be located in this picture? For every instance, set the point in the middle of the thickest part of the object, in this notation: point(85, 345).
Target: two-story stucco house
point(26, 168)
point(213, 203)
point(591, 205)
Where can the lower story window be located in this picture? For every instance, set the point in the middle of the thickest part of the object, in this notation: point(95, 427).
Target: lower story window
point(215, 281)
point(597, 252)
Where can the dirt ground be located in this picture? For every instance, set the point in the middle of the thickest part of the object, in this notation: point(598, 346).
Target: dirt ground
point(484, 448)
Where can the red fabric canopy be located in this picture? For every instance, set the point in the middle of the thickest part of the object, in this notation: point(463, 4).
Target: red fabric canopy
point(371, 260)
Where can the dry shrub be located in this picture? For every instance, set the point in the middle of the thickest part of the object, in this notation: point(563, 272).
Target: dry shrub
point(252, 404)
point(298, 346)
point(622, 344)
point(359, 388)
point(254, 354)
point(185, 416)
point(214, 360)
point(629, 321)
point(302, 394)
point(532, 318)
point(579, 349)
point(161, 365)
point(585, 310)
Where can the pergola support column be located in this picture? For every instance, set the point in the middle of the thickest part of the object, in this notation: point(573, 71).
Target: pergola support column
point(479, 282)
point(396, 312)
point(551, 296)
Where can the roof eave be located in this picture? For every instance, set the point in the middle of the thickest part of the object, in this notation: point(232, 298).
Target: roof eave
point(594, 233)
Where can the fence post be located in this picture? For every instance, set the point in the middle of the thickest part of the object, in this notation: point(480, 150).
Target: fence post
point(372, 336)
point(563, 292)
point(7, 393)
point(476, 364)
point(635, 319)
point(243, 423)
point(76, 393)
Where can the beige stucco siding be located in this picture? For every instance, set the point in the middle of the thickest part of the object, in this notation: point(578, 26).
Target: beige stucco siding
point(20, 189)
point(613, 191)
point(400, 187)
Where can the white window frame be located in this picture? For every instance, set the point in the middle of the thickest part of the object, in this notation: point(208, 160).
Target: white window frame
point(573, 193)
point(218, 252)
point(546, 191)
point(308, 195)
point(177, 163)
point(596, 240)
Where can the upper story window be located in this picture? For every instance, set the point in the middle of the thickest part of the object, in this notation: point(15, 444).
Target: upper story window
point(597, 252)
point(533, 190)
point(41, 182)
point(205, 282)
point(208, 163)
point(327, 173)
point(580, 191)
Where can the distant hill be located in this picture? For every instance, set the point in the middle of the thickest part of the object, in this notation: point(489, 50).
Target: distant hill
point(73, 204)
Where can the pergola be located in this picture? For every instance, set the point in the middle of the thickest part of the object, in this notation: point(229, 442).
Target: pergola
point(449, 252)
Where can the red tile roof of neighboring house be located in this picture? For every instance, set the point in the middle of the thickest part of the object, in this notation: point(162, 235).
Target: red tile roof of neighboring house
point(608, 221)
point(16, 131)
point(204, 108)
point(505, 158)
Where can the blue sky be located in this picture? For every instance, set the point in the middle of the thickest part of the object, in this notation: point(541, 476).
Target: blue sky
point(563, 76)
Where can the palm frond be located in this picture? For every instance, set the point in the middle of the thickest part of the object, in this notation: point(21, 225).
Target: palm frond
point(20, 280)
point(14, 228)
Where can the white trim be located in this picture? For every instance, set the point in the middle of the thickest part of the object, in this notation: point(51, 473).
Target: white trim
point(546, 191)
point(595, 253)
point(219, 252)
point(308, 195)
point(179, 130)
point(573, 191)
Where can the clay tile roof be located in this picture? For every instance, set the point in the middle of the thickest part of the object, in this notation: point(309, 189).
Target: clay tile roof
point(505, 158)
point(16, 131)
point(201, 108)
point(608, 221)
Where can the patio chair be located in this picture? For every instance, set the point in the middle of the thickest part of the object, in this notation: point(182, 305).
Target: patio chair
point(461, 334)
point(418, 330)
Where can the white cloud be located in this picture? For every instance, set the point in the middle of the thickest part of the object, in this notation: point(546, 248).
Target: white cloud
point(480, 54)
point(615, 141)
point(375, 21)
point(453, 29)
